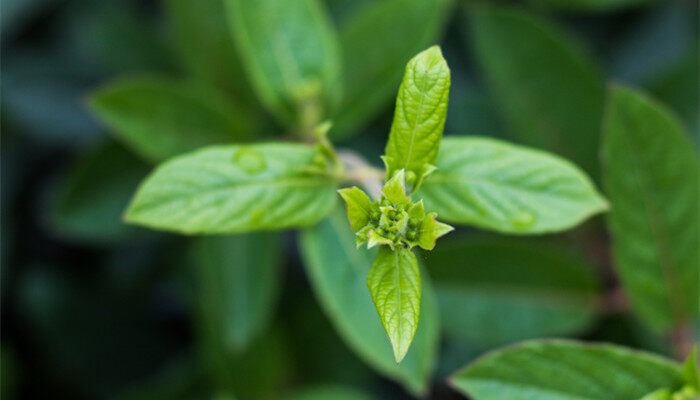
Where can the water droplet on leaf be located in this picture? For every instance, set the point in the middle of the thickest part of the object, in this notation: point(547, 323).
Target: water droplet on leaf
point(250, 161)
point(523, 219)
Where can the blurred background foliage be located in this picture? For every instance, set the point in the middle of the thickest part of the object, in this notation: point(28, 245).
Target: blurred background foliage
point(95, 309)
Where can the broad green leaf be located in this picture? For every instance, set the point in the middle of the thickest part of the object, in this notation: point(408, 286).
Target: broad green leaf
point(203, 41)
point(507, 188)
point(592, 5)
point(375, 50)
point(566, 370)
point(394, 283)
point(338, 275)
point(328, 392)
point(419, 118)
point(291, 54)
point(92, 197)
point(550, 93)
point(160, 118)
point(651, 176)
point(229, 189)
point(508, 290)
point(238, 283)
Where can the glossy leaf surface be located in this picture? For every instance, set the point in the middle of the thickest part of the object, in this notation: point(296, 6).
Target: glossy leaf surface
point(566, 370)
point(229, 189)
point(507, 188)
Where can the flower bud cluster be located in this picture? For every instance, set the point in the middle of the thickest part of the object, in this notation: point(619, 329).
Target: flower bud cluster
point(393, 220)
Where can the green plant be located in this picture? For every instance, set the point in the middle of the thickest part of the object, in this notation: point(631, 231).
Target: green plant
point(478, 181)
point(318, 86)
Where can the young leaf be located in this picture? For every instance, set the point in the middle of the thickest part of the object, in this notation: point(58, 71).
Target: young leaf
point(557, 369)
point(238, 277)
point(548, 89)
point(91, 199)
point(203, 41)
point(338, 275)
point(375, 50)
point(430, 230)
point(511, 290)
point(507, 188)
point(291, 54)
point(160, 118)
point(228, 189)
point(359, 207)
point(421, 108)
point(651, 176)
point(394, 283)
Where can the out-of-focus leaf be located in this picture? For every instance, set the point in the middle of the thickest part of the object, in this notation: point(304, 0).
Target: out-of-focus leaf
point(419, 117)
point(92, 197)
point(677, 88)
point(377, 41)
point(291, 55)
point(233, 189)
point(592, 5)
point(508, 188)
point(259, 372)
point(328, 392)
point(652, 178)
point(338, 274)
point(109, 36)
point(238, 283)
point(77, 324)
point(507, 290)
point(651, 42)
point(394, 283)
point(558, 370)
point(204, 43)
point(550, 93)
point(160, 118)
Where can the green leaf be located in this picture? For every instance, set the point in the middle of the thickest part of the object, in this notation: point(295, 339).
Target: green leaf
point(203, 41)
point(549, 91)
point(651, 176)
point(690, 369)
point(291, 55)
point(375, 50)
point(511, 290)
point(238, 280)
point(430, 230)
point(92, 197)
point(359, 207)
point(566, 370)
point(326, 392)
point(507, 188)
point(419, 118)
point(160, 118)
point(394, 283)
point(338, 275)
point(229, 189)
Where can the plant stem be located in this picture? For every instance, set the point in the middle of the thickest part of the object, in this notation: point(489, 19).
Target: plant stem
point(358, 170)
